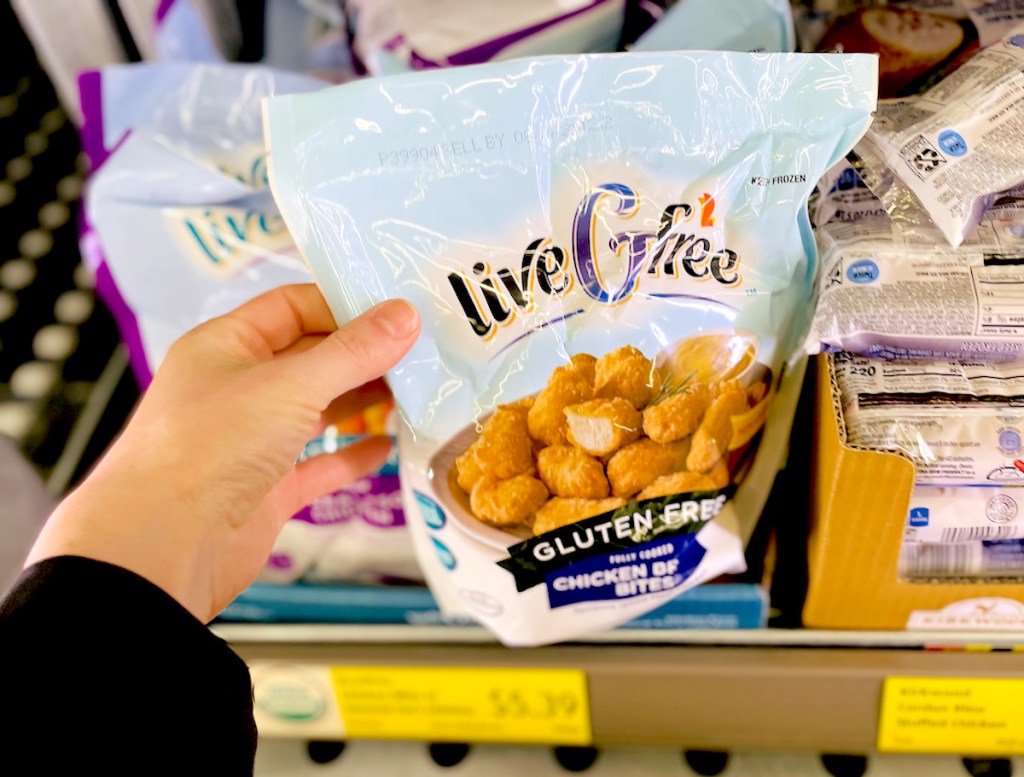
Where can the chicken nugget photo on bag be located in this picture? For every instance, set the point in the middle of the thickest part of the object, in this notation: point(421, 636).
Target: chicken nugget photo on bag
point(561, 511)
point(626, 373)
point(568, 471)
point(503, 449)
point(509, 502)
point(602, 426)
point(635, 466)
point(678, 415)
point(712, 438)
point(568, 386)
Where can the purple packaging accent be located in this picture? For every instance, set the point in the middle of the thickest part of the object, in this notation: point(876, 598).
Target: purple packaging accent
point(488, 50)
point(280, 561)
point(162, 10)
point(375, 500)
point(90, 95)
point(107, 291)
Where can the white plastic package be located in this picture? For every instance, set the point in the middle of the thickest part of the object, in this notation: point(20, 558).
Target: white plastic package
point(358, 533)
point(896, 290)
point(953, 515)
point(993, 19)
point(396, 36)
point(187, 225)
point(962, 424)
point(614, 266)
point(963, 561)
point(954, 148)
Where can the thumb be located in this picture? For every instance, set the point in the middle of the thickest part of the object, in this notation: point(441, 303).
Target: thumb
point(357, 352)
point(325, 474)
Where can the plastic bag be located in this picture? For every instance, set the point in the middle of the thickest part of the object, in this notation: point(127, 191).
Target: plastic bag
point(187, 225)
point(954, 148)
point(614, 266)
point(396, 36)
point(359, 532)
point(896, 290)
point(962, 424)
point(947, 515)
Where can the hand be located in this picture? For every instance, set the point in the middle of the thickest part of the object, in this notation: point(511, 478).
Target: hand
point(196, 489)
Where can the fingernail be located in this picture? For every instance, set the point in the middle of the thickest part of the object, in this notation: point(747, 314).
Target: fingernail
point(397, 317)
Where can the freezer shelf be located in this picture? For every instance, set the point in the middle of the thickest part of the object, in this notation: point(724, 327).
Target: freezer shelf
point(721, 690)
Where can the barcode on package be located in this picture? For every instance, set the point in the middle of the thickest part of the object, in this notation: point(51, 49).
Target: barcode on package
point(966, 533)
point(922, 157)
point(978, 558)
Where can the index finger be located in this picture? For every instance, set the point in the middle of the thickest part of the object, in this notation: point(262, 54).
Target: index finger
point(281, 316)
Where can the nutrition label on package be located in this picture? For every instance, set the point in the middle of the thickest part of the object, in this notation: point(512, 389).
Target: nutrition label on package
point(1000, 291)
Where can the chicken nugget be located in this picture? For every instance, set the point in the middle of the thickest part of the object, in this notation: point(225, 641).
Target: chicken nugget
point(726, 387)
point(568, 471)
point(635, 466)
point(503, 449)
point(560, 511)
point(678, 483)
point(712, 438)
point(507, 503)
point(677, 416)
point(719, 473)
point(546, 418)
point(585, 364)
point(602, 426)
point(521, 405)
point(467, 470)
point(626, 373)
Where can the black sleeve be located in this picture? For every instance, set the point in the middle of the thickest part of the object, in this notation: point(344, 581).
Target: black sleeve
point(101, 672)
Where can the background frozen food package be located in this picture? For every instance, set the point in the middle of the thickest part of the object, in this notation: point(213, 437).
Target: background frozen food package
point(611, 254)
point(955, 147)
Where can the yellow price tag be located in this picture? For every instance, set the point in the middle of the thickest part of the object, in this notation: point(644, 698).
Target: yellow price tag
point(458, 704)
point(964, 716)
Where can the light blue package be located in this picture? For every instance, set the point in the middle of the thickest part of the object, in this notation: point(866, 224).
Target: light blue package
point(722, 25)
point(641, 214)
point(187, 225)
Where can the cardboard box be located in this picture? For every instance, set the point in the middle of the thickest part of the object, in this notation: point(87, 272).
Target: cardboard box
point(859, 508)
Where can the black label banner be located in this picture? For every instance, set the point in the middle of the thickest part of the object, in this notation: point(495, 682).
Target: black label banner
point(627, 527)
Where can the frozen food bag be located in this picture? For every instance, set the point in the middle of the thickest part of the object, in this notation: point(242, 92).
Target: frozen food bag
point(721, 25)
point(614, 265)
point(181, 208)
point(993, 19)
point(395, 36)
point(191, 31)
point(359, 532)
point(954, 148)
point(970, 514)
point(895, 289)
point(961, 423)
